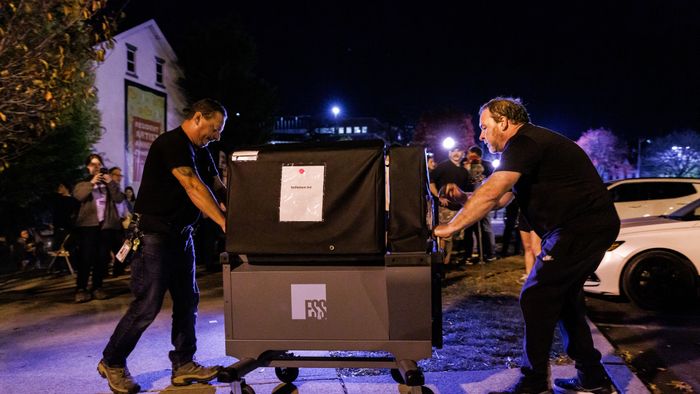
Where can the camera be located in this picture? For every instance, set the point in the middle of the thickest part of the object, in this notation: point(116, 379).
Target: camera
point(104, 171)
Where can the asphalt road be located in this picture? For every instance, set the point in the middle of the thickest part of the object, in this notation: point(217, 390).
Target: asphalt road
point(663, 347)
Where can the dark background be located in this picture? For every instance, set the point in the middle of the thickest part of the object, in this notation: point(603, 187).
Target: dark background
point(631, 67)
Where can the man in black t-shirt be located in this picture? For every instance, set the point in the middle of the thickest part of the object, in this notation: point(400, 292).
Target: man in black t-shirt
point(170, 199)
point(449, 171)
point(565, 202)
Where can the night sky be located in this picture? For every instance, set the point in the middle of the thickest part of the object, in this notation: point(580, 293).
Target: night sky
point(632, 67)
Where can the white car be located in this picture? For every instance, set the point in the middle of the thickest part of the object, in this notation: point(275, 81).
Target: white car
point(642, 197)
point(655, 261)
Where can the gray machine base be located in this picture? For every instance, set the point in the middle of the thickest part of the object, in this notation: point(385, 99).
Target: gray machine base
point(366, 308)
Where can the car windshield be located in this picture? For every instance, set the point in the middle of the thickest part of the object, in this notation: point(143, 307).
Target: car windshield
point(690, 211)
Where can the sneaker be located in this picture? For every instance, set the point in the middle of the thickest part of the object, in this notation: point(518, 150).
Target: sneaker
point(82, 296)
point(193, 372)
point(99, 294)
point(573, 385)
point(119, 379)
point(524, 387)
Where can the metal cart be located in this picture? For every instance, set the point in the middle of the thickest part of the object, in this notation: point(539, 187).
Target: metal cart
point(279, 300)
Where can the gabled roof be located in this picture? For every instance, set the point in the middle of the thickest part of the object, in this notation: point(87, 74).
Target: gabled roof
point(151, 26)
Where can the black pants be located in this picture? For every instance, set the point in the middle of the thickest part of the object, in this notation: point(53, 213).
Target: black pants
point(95, 245)
point(510, 232)
point(553, 294)
point(472, 233)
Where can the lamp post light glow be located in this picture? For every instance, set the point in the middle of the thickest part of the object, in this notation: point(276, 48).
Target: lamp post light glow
point(448, 143)
point(336, 111)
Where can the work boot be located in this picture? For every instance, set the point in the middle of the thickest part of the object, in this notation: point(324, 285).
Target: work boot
point(526, 386)
point(573, 385)
point(99, 294)
point(193, 372)
point(82, 296)
point(119, 379)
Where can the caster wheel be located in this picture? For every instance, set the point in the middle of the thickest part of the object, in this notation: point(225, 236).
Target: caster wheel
point(287, 375)
point(396, 375)
point(248, 390)
point(245, 389)
point(415, 390)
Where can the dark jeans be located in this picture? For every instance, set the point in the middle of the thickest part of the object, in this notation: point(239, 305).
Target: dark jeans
point(94, 257)
point(510, 233)
point(553, 294)
point(163, 263)
point(472, 233)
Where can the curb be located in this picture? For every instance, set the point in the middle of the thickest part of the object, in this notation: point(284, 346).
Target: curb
point(624, 380)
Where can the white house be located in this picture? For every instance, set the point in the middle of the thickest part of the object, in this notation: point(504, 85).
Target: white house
point(138, 98)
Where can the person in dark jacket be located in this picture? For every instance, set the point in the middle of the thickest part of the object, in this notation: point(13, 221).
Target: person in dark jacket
point(97, 225)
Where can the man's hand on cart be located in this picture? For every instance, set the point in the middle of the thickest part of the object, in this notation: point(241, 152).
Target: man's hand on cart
point(444, 230)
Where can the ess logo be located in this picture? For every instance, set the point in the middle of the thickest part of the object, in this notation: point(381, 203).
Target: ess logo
point(309, 302)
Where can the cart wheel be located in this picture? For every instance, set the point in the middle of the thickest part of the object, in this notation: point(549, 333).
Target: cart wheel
point(245, 389)
point(287, 375)
point(403, 389)
point(396, 375)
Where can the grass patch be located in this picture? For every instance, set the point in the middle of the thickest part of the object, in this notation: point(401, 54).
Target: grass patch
point(482, 323)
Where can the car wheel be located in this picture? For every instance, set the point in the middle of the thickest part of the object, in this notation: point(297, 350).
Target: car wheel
point(659, 280)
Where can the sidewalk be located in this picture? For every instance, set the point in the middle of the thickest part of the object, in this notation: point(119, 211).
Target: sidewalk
point(48, 344)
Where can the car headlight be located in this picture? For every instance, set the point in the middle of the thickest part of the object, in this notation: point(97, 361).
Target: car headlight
point(615, 245)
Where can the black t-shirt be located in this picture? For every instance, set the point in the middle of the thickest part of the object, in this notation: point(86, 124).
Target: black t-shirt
point(559, 188)
point(447, 172)
point(161, 194)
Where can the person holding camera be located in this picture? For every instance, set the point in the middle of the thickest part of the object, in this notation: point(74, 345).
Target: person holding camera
point(98, 224)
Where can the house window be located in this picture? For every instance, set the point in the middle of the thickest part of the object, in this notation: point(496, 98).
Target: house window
point(131, 60)
point(159, 71)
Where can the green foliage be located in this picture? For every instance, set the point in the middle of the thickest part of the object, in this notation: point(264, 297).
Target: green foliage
point(47, 50)
point(675, 155)
point(59, 158)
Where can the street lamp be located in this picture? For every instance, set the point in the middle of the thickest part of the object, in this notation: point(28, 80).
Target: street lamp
point(448, 143)
point(335, 110)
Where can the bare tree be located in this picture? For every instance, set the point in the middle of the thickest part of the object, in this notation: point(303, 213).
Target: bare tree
point(675, 155)
point(607, 152)
point(47, 54)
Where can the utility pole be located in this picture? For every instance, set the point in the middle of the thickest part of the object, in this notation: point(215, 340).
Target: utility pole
point(640, 142)
point(639, 157)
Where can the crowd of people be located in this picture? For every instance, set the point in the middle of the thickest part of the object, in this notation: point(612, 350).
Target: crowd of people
point(467, 169)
